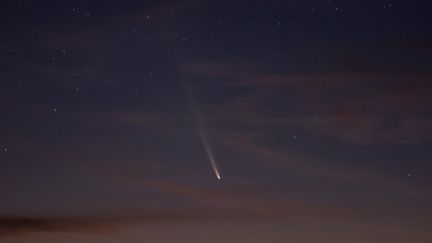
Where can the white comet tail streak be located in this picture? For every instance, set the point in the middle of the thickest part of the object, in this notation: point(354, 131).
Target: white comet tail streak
point(208, 149)
point(203, 133)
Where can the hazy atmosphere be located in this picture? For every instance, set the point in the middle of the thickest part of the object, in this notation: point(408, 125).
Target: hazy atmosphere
point(303, 121)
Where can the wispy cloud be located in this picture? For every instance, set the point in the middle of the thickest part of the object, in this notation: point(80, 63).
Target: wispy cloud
point(363, 106)
point(310, 166)
point(12, 226)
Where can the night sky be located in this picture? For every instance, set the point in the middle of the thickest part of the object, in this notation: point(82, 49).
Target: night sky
point(116, 117)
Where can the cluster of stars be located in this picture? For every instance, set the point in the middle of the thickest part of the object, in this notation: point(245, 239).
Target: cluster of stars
point(86, 13)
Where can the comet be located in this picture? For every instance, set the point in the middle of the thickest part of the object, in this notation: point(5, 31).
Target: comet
point(202, 131)
point(208, 149)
